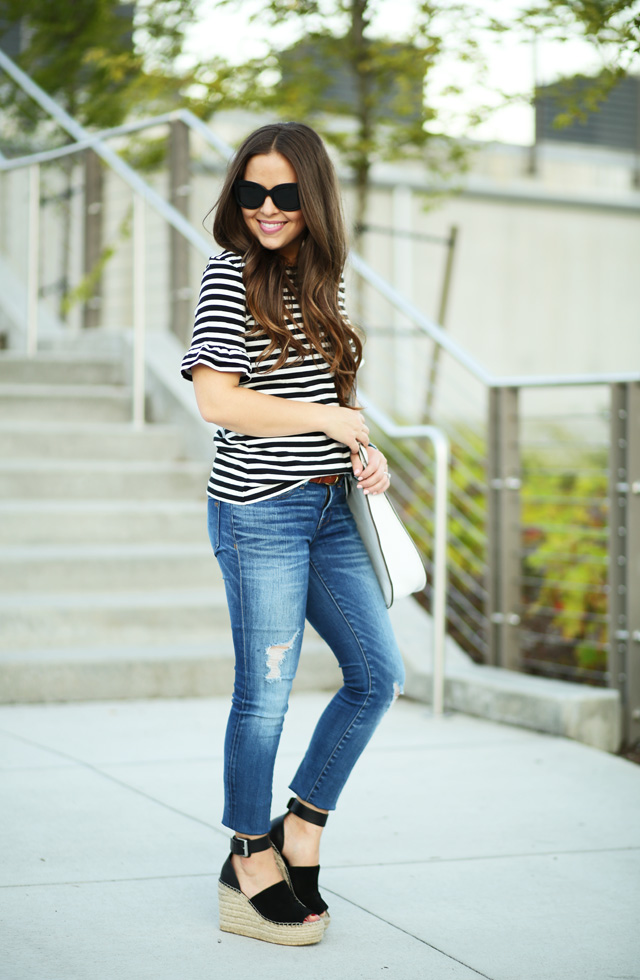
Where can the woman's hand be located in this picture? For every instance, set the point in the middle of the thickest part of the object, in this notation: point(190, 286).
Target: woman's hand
point(346, 425)
point(374, 478)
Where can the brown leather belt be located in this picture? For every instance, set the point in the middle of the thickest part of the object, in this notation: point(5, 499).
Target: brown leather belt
point(330, 480)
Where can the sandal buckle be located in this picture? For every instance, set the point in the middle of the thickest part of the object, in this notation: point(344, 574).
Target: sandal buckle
point(240, 845)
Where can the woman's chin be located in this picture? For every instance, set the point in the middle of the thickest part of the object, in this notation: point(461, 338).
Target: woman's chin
point(271, 242)
point(289, 250)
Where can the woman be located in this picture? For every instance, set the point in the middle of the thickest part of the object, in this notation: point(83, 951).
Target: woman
point(273, 360)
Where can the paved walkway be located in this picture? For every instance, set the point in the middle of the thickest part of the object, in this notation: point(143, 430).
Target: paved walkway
point(461, 849)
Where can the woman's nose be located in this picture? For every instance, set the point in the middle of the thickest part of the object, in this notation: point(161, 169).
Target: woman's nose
point(268, 207)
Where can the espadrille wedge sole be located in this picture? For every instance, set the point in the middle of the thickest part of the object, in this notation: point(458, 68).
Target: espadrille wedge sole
point(239, 916)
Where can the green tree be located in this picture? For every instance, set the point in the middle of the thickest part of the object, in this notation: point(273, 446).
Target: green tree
point(611, 27)
point(341, 68)
point(103, 60)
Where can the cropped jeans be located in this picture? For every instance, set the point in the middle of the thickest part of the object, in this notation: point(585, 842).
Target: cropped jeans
point(295, 557)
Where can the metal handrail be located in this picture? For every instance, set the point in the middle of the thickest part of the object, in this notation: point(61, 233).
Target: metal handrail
point(428, 326)
point(91, 139)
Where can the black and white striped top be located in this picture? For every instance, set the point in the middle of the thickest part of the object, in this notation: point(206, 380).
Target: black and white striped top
point(249, 468)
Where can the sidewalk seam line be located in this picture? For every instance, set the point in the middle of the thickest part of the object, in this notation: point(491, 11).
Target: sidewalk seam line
point(406, 932)
point(120, 782)
point(111, 881)
point(482, 857)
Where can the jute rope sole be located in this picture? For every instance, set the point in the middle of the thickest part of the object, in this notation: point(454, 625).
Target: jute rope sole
point(284, 871)
point(238, 915)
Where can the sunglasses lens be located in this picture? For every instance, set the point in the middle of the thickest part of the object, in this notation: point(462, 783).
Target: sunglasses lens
point(249, 195)
point(285, 197)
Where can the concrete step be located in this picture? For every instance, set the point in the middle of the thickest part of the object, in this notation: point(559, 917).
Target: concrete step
point(58, 367)
point(65, 403)
point(589, 714)
point(114, 672)
point(49, 522)
point(85, 568)
point(77, 440)
point(91, 479)
point(75, 619)
point(95, 342)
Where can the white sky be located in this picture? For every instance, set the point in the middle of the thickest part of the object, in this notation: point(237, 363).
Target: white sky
point(227, 31)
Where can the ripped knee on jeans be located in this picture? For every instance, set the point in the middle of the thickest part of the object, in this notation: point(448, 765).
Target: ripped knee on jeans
point(275, 658)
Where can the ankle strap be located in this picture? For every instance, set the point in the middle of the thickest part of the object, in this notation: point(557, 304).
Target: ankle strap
point(245, 847)
point(306, 813)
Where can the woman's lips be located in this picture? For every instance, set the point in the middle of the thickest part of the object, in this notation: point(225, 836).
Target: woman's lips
point(271, 227)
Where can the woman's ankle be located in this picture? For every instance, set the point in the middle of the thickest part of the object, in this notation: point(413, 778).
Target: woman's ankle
point(301, 841)
point(256, 872)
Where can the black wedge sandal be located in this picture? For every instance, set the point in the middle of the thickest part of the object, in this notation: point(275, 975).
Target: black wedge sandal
point(304, 880)
point(274, 915)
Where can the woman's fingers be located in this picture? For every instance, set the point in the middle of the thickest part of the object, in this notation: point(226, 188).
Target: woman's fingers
point(347, 427)
point(377, 484)
point(362, 431)
point(373, 478)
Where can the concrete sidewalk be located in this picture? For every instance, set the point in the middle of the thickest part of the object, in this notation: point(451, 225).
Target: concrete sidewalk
point(461, 848)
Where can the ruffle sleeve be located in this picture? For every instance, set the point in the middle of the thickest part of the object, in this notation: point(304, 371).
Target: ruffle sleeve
point(219, 330)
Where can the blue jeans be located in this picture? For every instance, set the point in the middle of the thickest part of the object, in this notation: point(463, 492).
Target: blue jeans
point(295, 557)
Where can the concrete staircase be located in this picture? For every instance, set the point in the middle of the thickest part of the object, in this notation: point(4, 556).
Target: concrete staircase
point(108, 587)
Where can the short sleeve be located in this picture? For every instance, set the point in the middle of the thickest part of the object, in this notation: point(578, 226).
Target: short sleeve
point(219, 330)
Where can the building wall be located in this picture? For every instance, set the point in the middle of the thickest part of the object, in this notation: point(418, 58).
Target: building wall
point(545, 277)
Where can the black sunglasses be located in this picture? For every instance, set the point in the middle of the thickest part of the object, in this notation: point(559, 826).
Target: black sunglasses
point(250, 195)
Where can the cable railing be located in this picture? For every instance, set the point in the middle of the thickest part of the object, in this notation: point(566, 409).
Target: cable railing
point(540, 521)
point(564, 545)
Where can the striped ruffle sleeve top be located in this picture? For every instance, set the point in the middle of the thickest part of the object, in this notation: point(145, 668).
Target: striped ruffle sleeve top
point(249, 468)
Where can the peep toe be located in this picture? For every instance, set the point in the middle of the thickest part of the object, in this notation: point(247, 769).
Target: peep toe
point(304, 880)
point(274, 914)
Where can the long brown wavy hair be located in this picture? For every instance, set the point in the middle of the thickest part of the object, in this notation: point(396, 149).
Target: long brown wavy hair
point(321, 258)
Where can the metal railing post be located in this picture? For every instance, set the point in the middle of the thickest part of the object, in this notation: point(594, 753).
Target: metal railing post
point(404, 395)
point(93, 210)
point(503, 559)
point(624, 555)
point(139, 311)
point(632, 716)
point(439, 606)
point(180, 188)
point(33, 260)
point(441, 320)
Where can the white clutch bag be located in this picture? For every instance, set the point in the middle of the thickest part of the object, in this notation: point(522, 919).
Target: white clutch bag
point(395, 558)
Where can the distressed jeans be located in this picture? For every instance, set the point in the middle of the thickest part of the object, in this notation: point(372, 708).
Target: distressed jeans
point(295, 557)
